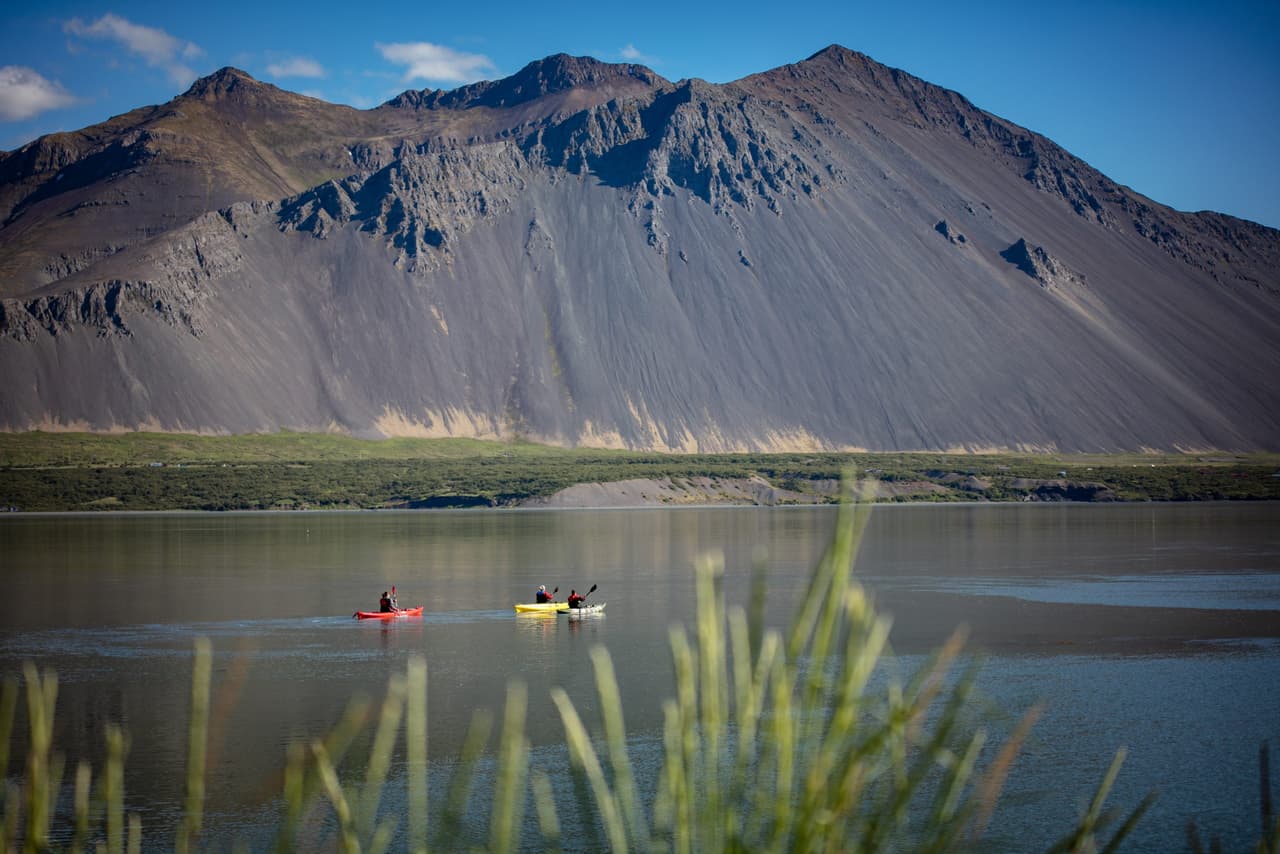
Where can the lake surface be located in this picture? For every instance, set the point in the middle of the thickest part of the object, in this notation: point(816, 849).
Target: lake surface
point(1153, 627)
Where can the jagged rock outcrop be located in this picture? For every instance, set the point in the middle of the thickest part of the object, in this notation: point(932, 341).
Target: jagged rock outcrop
point(1040, 265)
point(952, 235)
point(586, 253)
point(420, 202)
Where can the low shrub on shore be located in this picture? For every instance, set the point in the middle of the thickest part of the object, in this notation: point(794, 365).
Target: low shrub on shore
point(44, 472)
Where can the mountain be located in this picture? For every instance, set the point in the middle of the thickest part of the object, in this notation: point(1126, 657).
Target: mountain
point(830, 254)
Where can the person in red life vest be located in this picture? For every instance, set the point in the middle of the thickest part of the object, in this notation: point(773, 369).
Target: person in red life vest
point(575, 601)
point(542, 595)
point(385, 605)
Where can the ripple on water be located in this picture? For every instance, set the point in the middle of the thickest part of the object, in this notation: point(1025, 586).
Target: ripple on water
point(1206, 591)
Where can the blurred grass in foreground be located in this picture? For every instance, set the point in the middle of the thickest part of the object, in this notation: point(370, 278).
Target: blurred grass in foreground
point(773, 742)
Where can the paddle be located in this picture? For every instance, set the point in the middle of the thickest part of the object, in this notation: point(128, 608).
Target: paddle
point(589, 592)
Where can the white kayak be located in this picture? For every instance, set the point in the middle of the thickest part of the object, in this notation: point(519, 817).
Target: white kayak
point(585, 611)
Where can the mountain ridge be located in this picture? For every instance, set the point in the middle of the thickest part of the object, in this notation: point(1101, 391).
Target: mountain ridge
point(556, 73)
point(587, 253)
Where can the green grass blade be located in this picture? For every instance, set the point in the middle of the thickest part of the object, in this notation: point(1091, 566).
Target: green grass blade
point(460, 782)
point(993, 782)
point(713, 693)
point(135, 834)
point(946, 821)
point(295, 798)
point(42, 695)
point(1083, 837)
point(81, 807)
point(113, 789)
point(348, 837)
point(746, 715)
point(379, 764)
point(339, 739)
point(197, 745)
point(1099, 797)
point(615, 731)
point(671, 817)
point(9, 690)
point(544, 803)
point(416, 749)
point(382, 837)
point(583, 755)
point(783, 748)
point(508, 801)
point(758, 602)
point(12, 816)
point(685, 728)
point(755, 740)
point(1123, 831)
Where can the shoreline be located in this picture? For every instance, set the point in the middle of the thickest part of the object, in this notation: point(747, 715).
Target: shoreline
point(295, 473)
point(407, 511)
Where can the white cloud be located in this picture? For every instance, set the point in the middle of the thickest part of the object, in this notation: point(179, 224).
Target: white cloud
point(156, 47)
point(298, 66)
point(25, 93)
point(631, 54)
point(426, 61)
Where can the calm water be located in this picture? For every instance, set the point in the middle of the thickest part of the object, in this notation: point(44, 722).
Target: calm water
point(1155, 627)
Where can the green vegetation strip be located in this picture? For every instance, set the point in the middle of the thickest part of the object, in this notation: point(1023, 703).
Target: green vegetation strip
point(162, 471)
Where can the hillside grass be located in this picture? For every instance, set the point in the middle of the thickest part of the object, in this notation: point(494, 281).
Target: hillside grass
point(165, 471)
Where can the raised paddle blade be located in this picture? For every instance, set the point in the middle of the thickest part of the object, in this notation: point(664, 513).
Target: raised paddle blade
point(593, 589)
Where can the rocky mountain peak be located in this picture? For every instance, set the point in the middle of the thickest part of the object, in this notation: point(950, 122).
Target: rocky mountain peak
point(222, 82)
point(554, 74)
point(225, 82)
point(561, 71)
point(840, 55)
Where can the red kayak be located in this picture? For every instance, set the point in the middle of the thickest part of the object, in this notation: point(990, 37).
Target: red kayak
point(388, 615)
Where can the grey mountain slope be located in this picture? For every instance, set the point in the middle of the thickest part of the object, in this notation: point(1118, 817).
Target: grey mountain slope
point(69, 200)
point(831, 254)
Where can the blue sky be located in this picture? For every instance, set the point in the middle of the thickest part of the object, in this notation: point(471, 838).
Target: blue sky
point(1179, 100)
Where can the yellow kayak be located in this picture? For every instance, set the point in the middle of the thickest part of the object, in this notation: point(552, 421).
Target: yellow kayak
point(543, 607)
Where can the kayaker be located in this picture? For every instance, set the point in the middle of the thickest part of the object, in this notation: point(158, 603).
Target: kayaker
point(575, 601)
point(542, 595)
point(385, 605)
